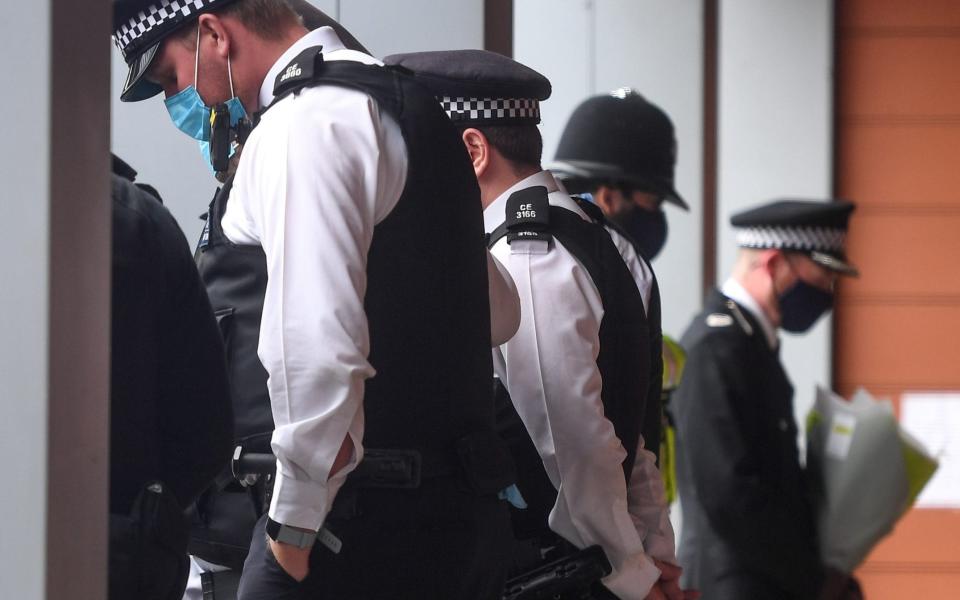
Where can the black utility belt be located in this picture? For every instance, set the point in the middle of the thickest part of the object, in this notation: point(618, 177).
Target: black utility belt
point(482, 459)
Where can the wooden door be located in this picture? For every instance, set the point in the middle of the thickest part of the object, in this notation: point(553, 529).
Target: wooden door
point(897, 328)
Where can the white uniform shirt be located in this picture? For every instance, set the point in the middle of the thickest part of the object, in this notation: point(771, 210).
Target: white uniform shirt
point(550, 369)
point(321, 170)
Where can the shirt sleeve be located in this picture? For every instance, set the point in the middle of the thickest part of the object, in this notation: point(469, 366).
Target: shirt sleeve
point(321, 170)
point(647, 503)
point(504, 302)
point(553, 379)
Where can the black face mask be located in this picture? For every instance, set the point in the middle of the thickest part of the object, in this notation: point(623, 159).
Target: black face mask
point(647, 229)
point(802, 305)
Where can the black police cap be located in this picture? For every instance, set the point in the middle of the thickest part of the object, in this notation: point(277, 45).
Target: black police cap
point(621, 138)
point(816, 228)
point(478, 86)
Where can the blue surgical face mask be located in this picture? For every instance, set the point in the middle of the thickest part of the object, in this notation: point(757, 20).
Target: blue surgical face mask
point(188, 111)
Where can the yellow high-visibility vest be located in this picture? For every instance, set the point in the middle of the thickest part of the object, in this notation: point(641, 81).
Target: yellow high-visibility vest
point(674, 359)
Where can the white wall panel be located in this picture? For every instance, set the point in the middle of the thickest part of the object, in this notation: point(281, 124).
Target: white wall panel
point(656, 47)
point(775, 139)
point(387, 27)
point(555, 37)
point(24, 305)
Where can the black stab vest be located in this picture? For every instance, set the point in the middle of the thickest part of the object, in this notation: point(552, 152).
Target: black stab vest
point(624, 350)
point(426, 302)
point(653, 420)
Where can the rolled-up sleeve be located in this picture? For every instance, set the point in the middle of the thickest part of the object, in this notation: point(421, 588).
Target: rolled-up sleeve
point(318, 173)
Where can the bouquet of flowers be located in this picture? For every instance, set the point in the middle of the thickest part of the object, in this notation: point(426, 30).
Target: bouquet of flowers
point(868, 472)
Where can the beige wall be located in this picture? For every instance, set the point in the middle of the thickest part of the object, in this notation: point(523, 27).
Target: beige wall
point(898, 326)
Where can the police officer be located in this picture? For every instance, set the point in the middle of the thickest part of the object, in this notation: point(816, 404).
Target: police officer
point(222, 523)
point(581, 456)
point(748, 524)
point(352, 221)
point(619, 151)
point(170, 421)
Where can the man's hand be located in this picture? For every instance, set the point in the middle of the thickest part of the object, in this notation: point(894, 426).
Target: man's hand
point(656, 593)
point(670, 582)
point(295, 561)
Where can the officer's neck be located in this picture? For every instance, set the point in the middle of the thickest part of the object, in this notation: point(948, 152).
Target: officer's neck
point(495, 181)
point(264, 54)
point(760, 288)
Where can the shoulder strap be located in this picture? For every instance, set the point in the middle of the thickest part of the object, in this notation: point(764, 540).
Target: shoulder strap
point(593, 211)
point(309, 68)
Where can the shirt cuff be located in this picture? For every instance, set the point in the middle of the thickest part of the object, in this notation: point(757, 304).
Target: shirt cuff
point(298, 503)
point(634, 579)
point(661, 547)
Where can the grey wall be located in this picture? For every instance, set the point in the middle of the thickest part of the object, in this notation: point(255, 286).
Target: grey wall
point(656, 47)
point(24, 214)
point(54, 301)
point(775, 138)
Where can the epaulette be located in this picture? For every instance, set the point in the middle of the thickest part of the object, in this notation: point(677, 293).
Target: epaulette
point(528, 215)
point(720, 320)
point(298, 72)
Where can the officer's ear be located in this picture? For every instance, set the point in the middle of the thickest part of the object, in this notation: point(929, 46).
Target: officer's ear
point(478, 148)
point(606, 198)
point(214, 35)
point(777, 265)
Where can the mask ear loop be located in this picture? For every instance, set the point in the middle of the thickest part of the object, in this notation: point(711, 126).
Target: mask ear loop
point(196, 63)
point(230, 77)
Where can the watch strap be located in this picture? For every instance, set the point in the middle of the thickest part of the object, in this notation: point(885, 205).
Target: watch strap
point(285, 534)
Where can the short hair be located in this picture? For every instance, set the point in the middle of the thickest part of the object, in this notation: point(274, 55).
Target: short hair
point(522, 145)
point(266, 18)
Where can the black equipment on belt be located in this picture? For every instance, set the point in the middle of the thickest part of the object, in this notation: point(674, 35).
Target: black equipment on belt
point(404, 469)
point(570, 577)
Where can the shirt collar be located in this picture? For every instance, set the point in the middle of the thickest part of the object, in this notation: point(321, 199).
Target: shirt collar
point(735, 291)
point(324, 36)
point(495, 214)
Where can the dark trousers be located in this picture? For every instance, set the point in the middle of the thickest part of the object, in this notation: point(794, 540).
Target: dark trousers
point(148, 548)
point(745, 586)
point(435, 542)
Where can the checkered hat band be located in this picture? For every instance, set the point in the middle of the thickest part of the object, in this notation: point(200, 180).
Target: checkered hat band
point(156, 15)
point(493, 109)
point(827, 239)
